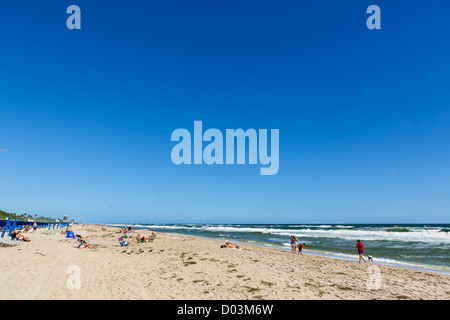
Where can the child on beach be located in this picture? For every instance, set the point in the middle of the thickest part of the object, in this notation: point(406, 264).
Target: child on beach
point(300, 248)
point(370, 257)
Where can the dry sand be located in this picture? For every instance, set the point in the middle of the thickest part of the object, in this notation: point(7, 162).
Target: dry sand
point(195, 268)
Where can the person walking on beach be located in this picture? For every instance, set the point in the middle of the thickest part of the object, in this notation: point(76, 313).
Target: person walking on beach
point(360, 248)
point(34, 227)
point(293, 244)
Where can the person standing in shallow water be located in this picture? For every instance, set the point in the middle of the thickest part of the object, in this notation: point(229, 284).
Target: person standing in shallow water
point(293, 244)
point(360, 248)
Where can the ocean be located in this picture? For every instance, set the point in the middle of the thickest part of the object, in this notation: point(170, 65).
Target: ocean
point(417, 246)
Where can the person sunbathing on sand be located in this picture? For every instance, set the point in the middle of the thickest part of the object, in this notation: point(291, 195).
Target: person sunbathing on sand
point(83, 242)
point(125, 243)
point(142, 239)
point(234, 246)
point(16, 235)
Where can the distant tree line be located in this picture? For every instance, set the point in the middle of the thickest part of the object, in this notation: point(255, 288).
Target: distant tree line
point(25, 216)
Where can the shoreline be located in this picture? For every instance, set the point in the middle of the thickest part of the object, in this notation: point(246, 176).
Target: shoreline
point(180, 267)
point(327, 255)
point(396, 264)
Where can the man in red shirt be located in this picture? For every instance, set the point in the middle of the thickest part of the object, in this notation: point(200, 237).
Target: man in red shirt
point(360, 248)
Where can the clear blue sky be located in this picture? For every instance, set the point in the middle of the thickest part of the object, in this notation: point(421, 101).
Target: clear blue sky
point(86, 115)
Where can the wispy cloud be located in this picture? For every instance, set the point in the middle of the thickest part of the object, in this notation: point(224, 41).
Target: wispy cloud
point(4, 150)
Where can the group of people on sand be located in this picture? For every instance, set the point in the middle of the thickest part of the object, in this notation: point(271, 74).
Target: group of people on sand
point(127, 231)
point(17, 234)
point(359, 248)
point(144, 239)
point(82, 243)
point(127, 234)
point(28, 227)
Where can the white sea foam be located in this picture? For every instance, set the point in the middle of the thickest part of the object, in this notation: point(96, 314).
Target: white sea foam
point(421, 235)
point(430, 235)
point(399, 237)
point(386, 261)
point(170, 227)
point(427, 235)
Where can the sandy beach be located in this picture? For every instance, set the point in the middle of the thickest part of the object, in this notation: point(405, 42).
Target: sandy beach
point(175, 267)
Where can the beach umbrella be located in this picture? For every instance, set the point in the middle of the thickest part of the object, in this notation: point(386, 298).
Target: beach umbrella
point(13, 226)
point(6, 227)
